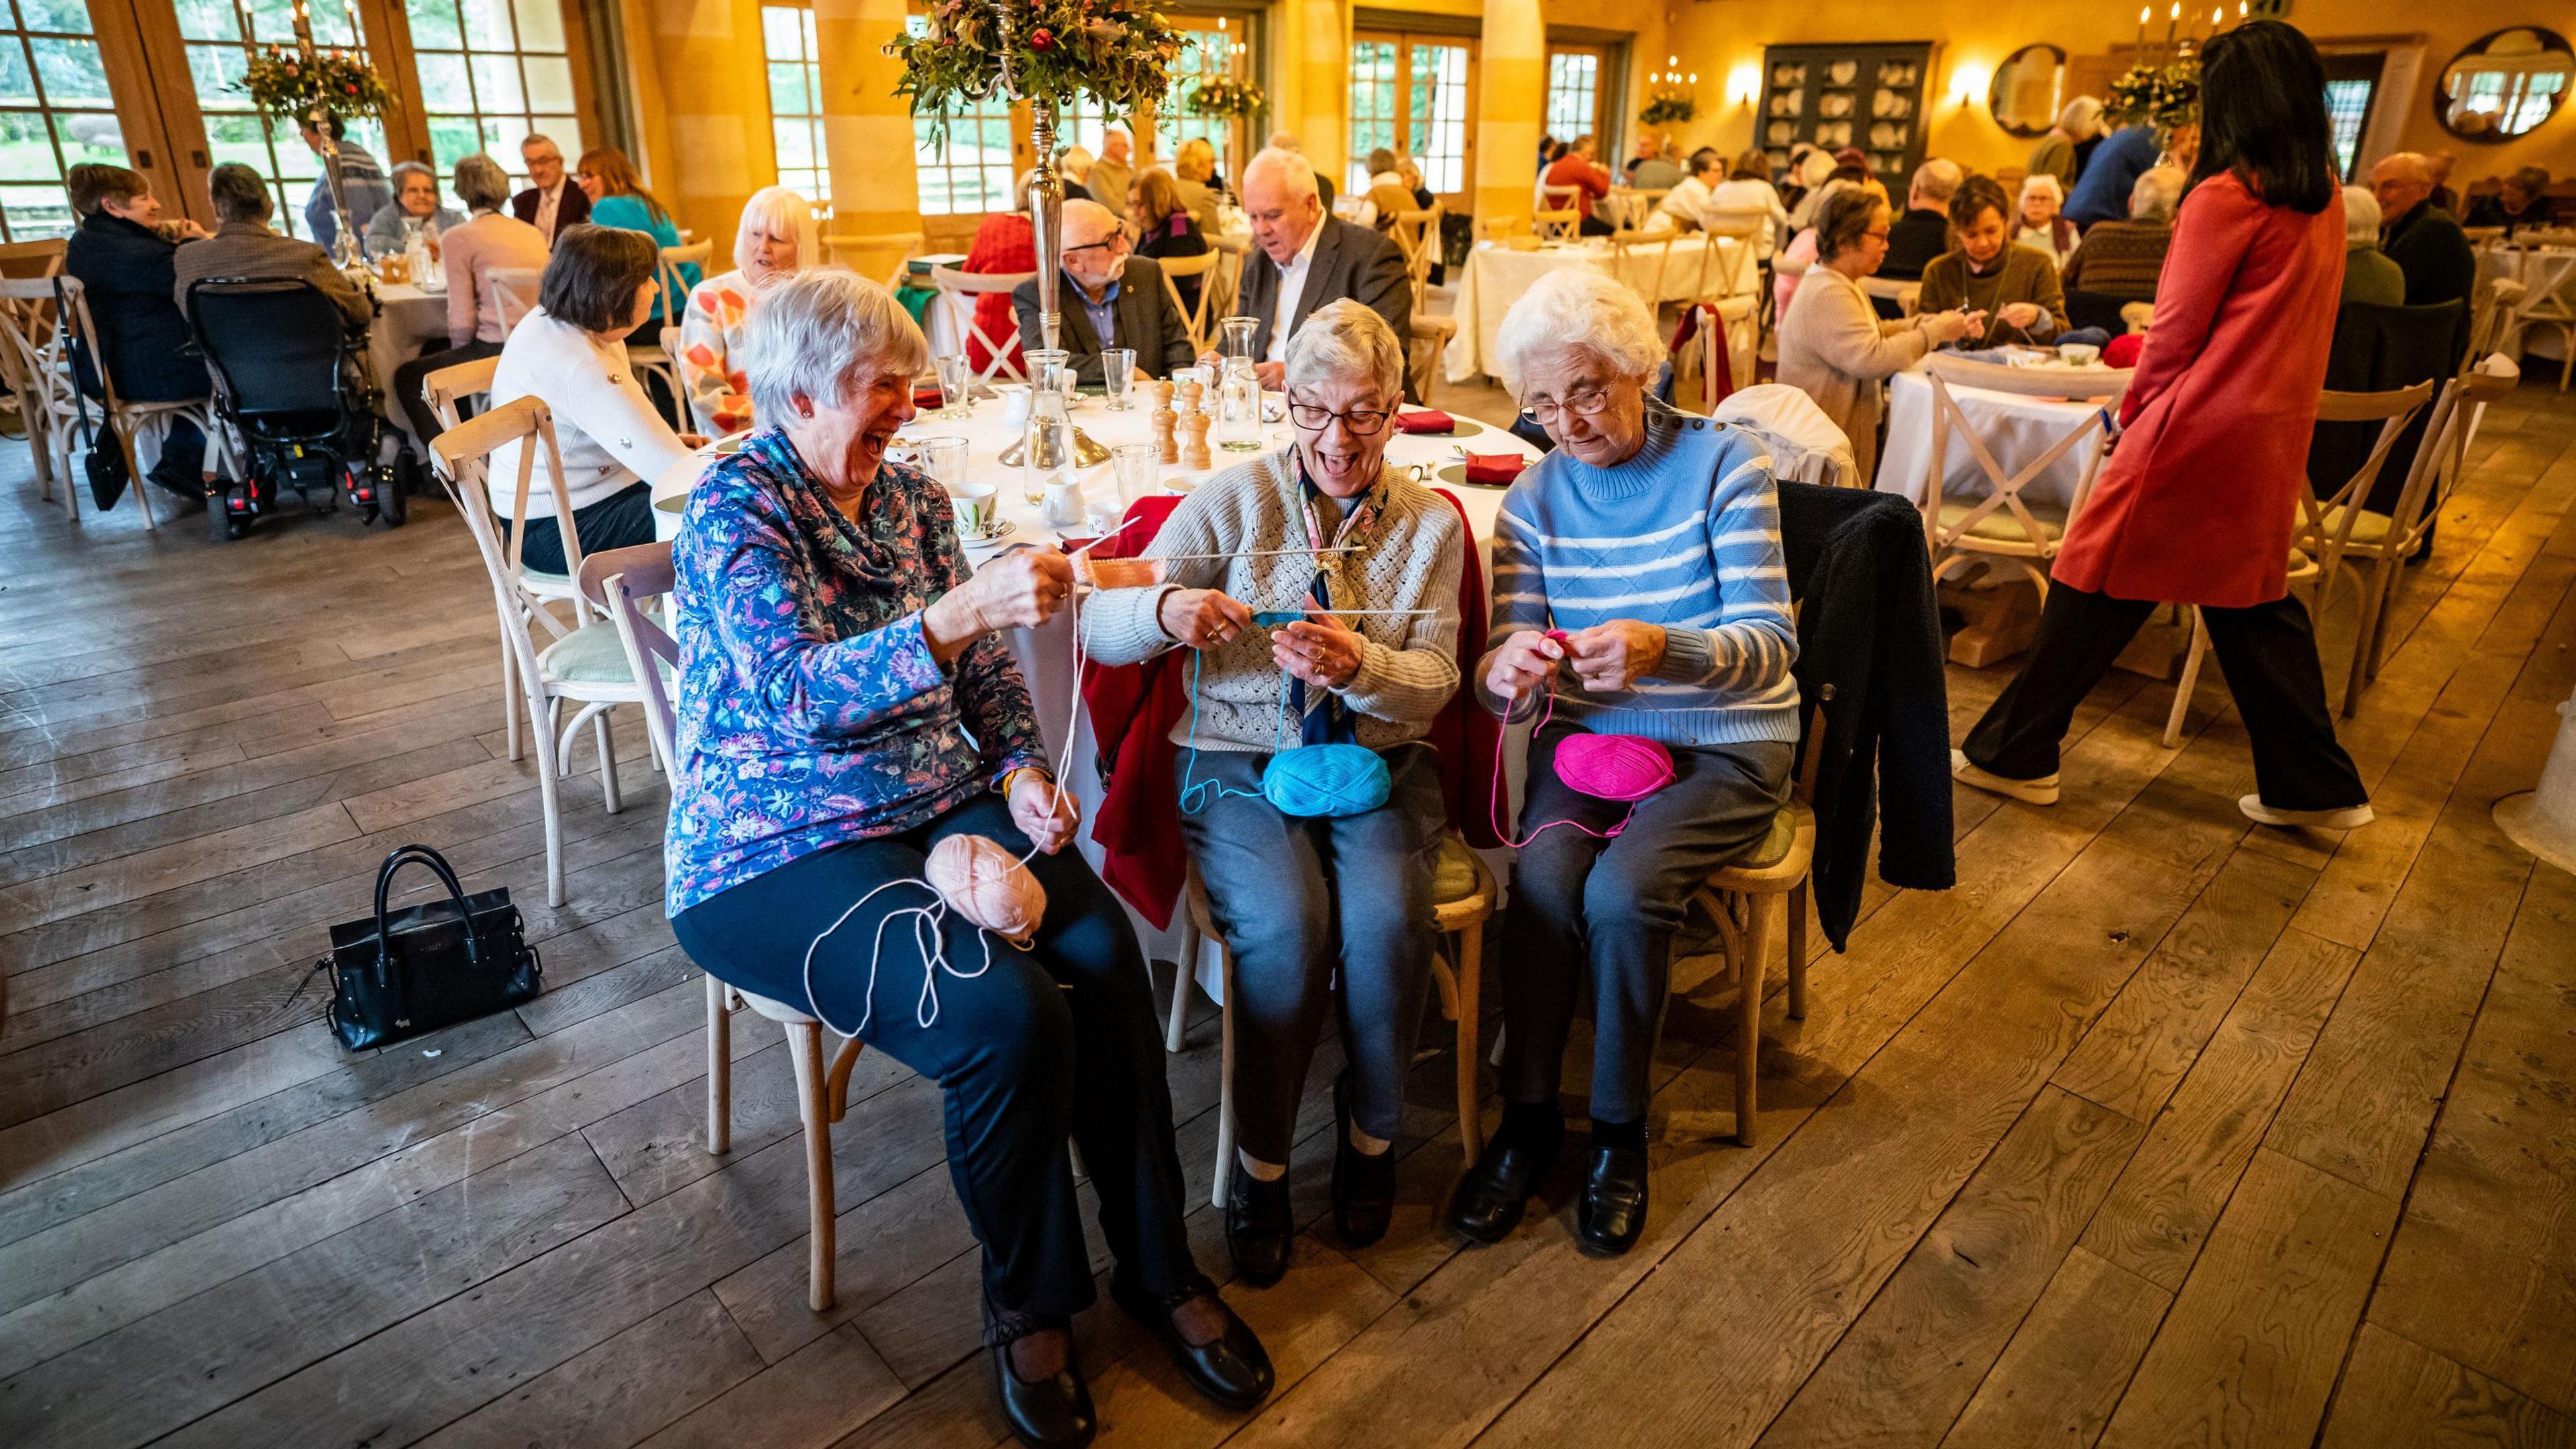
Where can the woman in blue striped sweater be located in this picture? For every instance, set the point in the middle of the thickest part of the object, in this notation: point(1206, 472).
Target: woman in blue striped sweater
point(1639, 589)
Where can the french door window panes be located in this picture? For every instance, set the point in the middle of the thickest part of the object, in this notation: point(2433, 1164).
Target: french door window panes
point(1573, 92)
point(492, 73)
point(1436, 112)
point(796, 100)
point(219, 35)
point(1204, 53)
point(971, 173)
point(1411, 95)
point(1374, 106)
point(55, 114)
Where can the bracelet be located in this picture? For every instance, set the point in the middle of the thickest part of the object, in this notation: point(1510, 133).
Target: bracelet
point(1011, 776)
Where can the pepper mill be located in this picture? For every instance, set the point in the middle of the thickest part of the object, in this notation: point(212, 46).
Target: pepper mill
point(1196, 455)
point(1166, 450)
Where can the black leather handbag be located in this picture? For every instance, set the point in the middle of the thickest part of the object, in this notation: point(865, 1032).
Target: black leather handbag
point(400, 973)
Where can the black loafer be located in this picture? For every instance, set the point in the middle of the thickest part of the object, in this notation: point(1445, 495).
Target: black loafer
point(1489, 1200)
point(1612, 1209)
point(1231, 1368)
point(1257, 1227)
point(1363, 1186)
point(1049, 1413)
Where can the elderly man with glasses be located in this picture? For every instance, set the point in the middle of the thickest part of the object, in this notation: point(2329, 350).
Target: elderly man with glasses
point(1365, 562)
point(1109, 298)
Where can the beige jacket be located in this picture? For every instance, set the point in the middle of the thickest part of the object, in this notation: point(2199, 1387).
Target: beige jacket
point(1835, 348)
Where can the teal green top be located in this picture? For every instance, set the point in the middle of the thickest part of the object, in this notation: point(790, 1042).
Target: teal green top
point(630, 212)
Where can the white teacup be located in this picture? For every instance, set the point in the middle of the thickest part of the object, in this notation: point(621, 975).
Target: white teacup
point(2079, 354)
point(973, 505)
point(1015, 404)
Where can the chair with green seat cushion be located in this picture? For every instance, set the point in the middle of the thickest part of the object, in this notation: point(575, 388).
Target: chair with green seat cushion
point(1464, 896)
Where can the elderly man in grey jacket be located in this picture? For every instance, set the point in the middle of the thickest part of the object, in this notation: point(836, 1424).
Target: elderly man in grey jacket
point(1307, 258)
point(1106, 298)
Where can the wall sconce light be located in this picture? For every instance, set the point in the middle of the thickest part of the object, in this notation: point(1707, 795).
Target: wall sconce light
point(1744, 83)
point(1968, 83)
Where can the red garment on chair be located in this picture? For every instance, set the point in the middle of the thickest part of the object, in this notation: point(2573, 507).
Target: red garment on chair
point(1133, 708)
point(1003, 244)
point(1720, 383)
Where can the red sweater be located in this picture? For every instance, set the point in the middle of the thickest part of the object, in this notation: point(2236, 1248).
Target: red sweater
point(1005, 243)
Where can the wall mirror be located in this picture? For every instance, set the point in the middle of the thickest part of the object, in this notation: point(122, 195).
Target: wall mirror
point(2027, 89)
point(2504, 85)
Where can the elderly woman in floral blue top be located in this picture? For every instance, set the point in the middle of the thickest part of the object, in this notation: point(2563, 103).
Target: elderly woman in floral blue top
point(845, 705)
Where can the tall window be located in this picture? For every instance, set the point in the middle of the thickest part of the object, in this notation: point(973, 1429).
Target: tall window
point(1211, 51)
point(489, 77)
point(1411, 95)
point(219, 35)
point(2347, 109)
point(972, 172)
point(796, 100)
point(55, 113)
point(1573, 91)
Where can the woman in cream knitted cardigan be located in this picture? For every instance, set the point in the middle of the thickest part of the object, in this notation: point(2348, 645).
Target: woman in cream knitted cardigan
point(1833, 345)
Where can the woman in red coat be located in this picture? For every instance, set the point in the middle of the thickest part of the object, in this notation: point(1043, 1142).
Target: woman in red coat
point(2197, 503)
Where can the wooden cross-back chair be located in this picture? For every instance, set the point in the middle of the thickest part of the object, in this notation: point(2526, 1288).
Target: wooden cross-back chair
point(651, 357)
point(2004, 525)
point(581, 661)
point(1557, 223)
point(446, 391)
point(958, 291)
point(1417, 235)
point(1194, 320)
point(1640, 261)
point(515, 291)
point(1907, 296)
point(881, 257)
point(40, 333)
point(2550, 304)
point(33, 365)
point(624, 582)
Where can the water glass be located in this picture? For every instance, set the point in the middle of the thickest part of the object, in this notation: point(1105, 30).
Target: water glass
point(956, 384)
point(1117, 369)
point(1137, 467)
point(944, 459)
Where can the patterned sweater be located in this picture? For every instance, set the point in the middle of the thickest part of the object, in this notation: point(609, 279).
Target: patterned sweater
point(1685, 534)
point(1409, 558)
point(811, 710)
point(711, 336)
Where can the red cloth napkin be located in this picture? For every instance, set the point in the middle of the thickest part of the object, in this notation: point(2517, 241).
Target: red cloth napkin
point(2123, 350)
point(1494, 470)
point(926, 395)
point(1428, 420)
point(1134, 706)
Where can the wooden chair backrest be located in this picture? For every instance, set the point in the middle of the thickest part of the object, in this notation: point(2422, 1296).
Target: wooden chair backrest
point(443, 389)
point(33, 259)
point(1562, 224)
point(956, 284)
point(2005, 490)
point(675, 288)
point(619, 582)
point(1194, 320)
point(79, 324)
point(31, 346)
point(516, 290)
point(1417, 234)
point(2392, 410)
point(1629, 257)
point(464, 453)
point(1906, 295)
point(877, 256)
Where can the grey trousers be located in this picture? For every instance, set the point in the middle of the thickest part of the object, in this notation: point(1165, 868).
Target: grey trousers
point(1614, 905)
point(1294, 898)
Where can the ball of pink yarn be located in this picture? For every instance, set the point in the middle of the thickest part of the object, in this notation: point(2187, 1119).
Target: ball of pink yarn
point(987, 885)
point(1614, 767)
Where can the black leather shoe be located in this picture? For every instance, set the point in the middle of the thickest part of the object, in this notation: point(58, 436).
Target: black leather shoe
point(1231, 1368)
point(1488, 1201)
point(1049, 1413)
point(1363, 1186)
point(1612, 1209)
point(1257, 1227)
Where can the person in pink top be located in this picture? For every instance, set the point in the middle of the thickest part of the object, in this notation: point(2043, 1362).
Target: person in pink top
point(2196, 504)
point(490, 237)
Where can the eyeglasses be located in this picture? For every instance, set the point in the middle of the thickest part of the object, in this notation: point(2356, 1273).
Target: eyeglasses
point(1589, 404)
point(1880, 234)
point(1359, 422)
point(1114, 239)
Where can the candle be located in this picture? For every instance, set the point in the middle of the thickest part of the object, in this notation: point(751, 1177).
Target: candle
point(2142, 27)
point(2171, 18)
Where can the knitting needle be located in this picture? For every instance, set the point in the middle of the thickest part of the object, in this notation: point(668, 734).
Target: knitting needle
point(1254, 553)
point(1267, 617)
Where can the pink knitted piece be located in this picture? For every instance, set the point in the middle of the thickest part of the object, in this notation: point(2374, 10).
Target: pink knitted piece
point(1614, 767)
point(987, 885)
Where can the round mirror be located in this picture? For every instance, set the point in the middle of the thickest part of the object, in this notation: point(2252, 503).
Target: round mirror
point(2026, 90)
point(2504, 85)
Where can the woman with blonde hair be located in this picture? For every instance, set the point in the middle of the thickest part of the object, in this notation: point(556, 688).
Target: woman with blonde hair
point(1202, 190)
point(1164, 228)
point(618, 198)
point(776, 239)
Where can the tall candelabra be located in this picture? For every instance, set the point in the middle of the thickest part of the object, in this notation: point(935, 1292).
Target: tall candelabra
point(344, 246)
point(1046, 193)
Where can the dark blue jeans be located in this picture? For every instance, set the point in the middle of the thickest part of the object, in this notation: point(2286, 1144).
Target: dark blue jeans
point(1058, 1038)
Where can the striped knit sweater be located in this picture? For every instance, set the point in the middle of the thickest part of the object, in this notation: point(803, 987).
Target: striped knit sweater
point(1685, 534)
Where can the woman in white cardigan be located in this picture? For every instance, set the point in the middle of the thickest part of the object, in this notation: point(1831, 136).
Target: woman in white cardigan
point(599, 286)
point(1833, 345)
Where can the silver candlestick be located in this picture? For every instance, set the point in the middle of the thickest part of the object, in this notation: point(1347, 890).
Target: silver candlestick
point(344, 247)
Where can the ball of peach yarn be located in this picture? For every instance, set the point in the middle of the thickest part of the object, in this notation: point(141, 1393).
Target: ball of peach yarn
point(988, 886)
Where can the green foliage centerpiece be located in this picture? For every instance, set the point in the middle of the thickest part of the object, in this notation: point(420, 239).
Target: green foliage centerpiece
point(1045, 52)
point(312, 86)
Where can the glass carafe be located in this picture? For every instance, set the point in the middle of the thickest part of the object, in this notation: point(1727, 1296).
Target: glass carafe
point(1237, 427)
point(1046, 442)
point(1238, 338)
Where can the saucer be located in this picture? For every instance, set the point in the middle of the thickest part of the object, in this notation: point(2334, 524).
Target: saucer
point(1002, 530)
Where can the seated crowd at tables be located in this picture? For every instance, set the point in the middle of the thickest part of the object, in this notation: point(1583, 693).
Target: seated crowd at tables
point(869, 709)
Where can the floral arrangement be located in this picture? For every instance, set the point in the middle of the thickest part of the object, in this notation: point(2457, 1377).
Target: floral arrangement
point(289, 85)
point(1666, 106)
point(1223, 95)
point(2166, 96)
point(1053, 50)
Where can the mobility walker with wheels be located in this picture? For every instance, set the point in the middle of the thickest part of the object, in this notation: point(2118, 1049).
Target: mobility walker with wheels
point(292, 379)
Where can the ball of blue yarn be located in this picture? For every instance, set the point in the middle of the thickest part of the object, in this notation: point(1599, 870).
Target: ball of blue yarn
point(1316, 780)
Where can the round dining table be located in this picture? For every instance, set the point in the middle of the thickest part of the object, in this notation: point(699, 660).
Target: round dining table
point(2014, 428)
point(1046, 653)
point(1496, 275)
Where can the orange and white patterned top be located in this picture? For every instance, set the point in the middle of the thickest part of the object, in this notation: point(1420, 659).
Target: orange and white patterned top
point(711, 338)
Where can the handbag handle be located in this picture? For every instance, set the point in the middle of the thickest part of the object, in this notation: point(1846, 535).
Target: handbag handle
point(446, 874)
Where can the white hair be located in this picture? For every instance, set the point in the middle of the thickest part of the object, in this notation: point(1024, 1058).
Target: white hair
point(1342, 339)
point(778, 212)
point(1577, 309)
point(2044, 184)
point(2080, 117)
point(1286, 141)
point(809, 333)
point(2157, 194)
point(1295, 172)
point(1076, 162)
point(2360, 216)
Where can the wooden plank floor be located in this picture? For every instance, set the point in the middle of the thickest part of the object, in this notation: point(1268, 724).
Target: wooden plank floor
point(2157, 1129)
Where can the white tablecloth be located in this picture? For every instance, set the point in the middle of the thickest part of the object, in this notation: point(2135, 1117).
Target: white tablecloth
point(2015, 430)
point(409, 320)
point(2544, 270)
point(1496, 276)
point(1045, 654)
